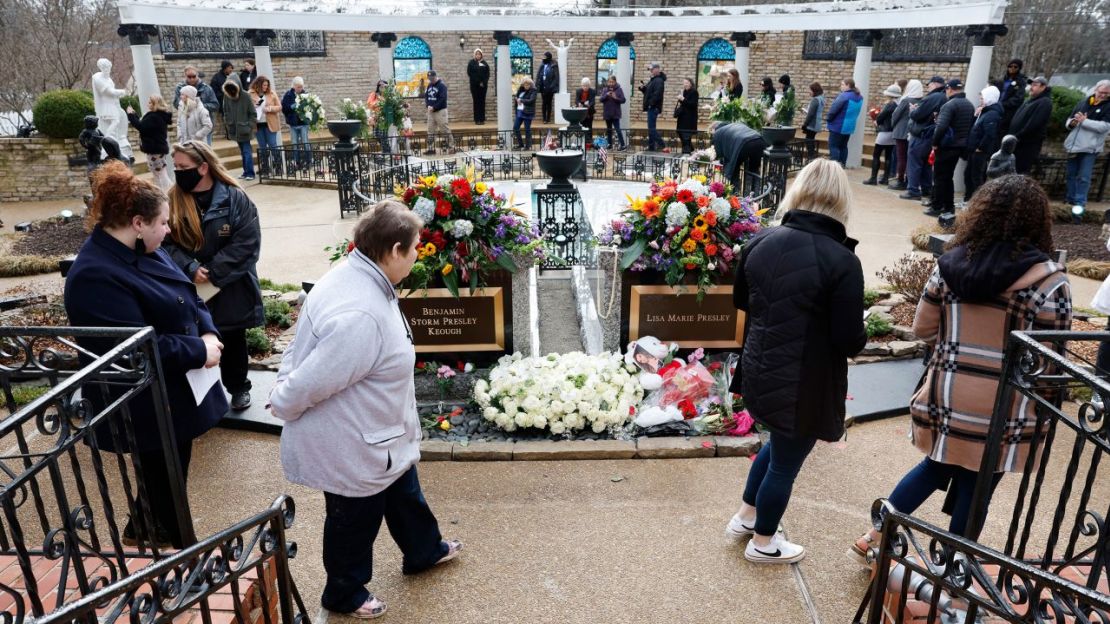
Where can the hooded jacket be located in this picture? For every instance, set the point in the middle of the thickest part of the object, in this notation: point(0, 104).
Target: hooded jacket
point(193, 122)
point(985, 136)
point(653, 92)
point(1090, 136)
point(611, 100)
point(204, 92)
point(1030, 122)
point(969, 307)
point(844, 112)
point(957, 115)
point(153, 128)
point(238, 113)
point(900, 120)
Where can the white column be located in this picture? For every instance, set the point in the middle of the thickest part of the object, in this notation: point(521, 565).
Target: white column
point(504, 91)
point(263, 64)
point(743, 41)
point(146, 79)
point(624, 74)
point(385, 54)
point(978, 76)
point(865, 40)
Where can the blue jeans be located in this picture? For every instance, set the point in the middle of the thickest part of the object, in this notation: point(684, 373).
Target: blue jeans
point(527, 122)
point(267, 149)
point(838, 147)
point(1079, 178)
point(772, 478)
point(654, 139)
point(248, 159)
point(299, 138)
point(350, 527)
point(928, 477)
point(919, 174)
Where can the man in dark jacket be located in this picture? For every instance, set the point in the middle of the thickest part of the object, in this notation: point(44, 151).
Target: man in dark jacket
point(919, 175)
point(547, 83)
point(477, 71)
point(248, 74)
point(1011, 92)
point(983, 141)
point(298, 128)
point(653, 105)
point(218, 79)
point(736, 144)
point(435, 99)
point(1030, 124)
point(950, 142)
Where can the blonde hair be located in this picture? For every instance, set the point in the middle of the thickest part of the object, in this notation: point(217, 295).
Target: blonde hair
point(185, 226)
point(156, 103)
point(821, 187)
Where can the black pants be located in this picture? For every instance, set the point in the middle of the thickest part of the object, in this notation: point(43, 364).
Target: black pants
point(944, 170)
point(880, 152)
point(352, 525)
point(547, 97)
point(751, 161)
point(687, 137)
point(163, 507)
point(975, 173)
point(479, 95)
point(1025, 156)
point(234, 360)
point(811, 144)
point(610, 126)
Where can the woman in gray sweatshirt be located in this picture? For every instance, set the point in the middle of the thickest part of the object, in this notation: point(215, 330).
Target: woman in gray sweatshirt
point(345, 391)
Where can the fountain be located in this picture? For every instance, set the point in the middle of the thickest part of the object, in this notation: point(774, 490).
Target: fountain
point(560, 164)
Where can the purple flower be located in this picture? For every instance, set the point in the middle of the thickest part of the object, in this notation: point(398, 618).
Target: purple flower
point(498, 250)
point(500, 231)
point(523, 239)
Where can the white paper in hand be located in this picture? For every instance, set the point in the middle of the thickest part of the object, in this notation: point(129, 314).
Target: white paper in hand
point(201, 381)
point(207, 290)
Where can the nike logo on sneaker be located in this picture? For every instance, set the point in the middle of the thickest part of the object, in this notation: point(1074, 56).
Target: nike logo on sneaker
point(777, 553)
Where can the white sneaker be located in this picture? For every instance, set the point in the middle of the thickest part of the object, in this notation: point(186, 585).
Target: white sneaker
point(738, 529)
point(778, 551)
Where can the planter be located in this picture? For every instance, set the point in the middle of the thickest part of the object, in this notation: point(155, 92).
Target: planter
point(574, 117)
point(560, 164)
point(778, 136)
point(345, 130)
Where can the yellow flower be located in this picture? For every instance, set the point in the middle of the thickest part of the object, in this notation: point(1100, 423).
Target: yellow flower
point(427, 250)
point(699, 223)
point(689, 246)
point(447, 268)
point(429, 180)
point(480, 188)
point(445, 425)
point(700, 178)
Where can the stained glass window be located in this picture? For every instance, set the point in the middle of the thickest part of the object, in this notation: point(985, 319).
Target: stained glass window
point(520, 56)
point(607, 61)
point(412, 60)
point(715, 57)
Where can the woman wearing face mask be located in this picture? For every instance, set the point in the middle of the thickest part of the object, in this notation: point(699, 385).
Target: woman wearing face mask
point(122, 278)
point(215, 238)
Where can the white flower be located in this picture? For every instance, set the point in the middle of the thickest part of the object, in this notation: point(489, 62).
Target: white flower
point(481, 385)
point(444, 181)
point(677, 215)
point(539, 421)
point(736, 249)
point(468, 368)
point(425, 209)
point(697, 187)
point(558, 427)
point(490, 413)
point(524, 419)
point(711, 266)
point(461, 228)
point(721, 208)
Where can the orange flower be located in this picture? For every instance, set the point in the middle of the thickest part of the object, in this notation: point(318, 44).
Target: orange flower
point(703, 201)
point(710, 249)
point(689, 245)
point(734, 202)
point(711, 218)
point(651, 209)
point(697, 235)
point(691, 267)
point(666, 192)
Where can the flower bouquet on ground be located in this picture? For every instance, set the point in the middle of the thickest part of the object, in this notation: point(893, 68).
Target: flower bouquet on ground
point(684, 230)
point(707, 155)
point(747, 111)
point(310, 110)
point(561, 393)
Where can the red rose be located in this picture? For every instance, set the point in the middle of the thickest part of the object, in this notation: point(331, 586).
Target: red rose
point(420, 366)
point(409, 194)
point(691, 266)
point(710, 249)
point(686, 406)
point(460, 365)
point(350, 246)
point(462, 250)
point(439, 240)
point(443, 208)
point(714, 367)
point(631, 410)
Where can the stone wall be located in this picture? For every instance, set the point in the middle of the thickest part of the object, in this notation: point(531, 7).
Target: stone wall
point(38, 168)
point(350, 68)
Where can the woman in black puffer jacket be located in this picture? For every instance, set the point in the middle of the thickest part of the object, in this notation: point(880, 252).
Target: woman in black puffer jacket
point(152, 139)
point(801, 286)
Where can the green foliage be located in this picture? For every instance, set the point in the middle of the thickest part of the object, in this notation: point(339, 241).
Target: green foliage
point(1064, 101)
point(269, 284)
point(277, 312)
point(61, 114)
point(132, 101)
point(788, 105)
point(871, 297)
point(877, 326)
point(257, 341)
point(747, 111)
point(25, 394)
point(389, 109)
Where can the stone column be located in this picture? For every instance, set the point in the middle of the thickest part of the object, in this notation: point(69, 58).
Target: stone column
point(743, 42)
point(978, 74)
point(865, 43)
point(504, 93)
point(260, 39)
point(624, 76)
point(146, 80)
point(385, 53)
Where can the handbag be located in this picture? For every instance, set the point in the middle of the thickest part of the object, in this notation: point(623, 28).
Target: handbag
point(677, 110)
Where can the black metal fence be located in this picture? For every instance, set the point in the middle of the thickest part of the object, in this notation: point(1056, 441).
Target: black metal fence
point(1051, 172)
point(1052, 563)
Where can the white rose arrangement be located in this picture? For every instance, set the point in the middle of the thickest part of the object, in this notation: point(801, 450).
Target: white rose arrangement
point(561, 393)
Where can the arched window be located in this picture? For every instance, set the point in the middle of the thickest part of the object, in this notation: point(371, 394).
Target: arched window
point(520, 56)
point(607, 62)
point(715, 55)
point(412, 60)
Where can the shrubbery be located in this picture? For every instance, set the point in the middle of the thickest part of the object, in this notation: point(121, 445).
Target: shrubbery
point(257, 341)
point(1064, 100)
point(277, 312)
point(909, 275)
point(132, 101)
point(61, 114)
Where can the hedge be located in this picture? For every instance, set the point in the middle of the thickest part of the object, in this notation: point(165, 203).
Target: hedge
point(61, 114)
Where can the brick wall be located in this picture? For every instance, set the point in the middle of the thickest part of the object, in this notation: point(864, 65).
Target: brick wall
point(350, 68)
point(38, 168)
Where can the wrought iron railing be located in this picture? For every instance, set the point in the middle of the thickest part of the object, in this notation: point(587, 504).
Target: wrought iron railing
point(949, 45)
point(207, 42)
point(1055, 555)
point(1051, 172)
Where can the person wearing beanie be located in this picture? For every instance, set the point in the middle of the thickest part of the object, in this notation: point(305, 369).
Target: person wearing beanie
point(547, 83)
point(983, 141)
point(884, 140)
point(950, 142)
point(227, 72)
point(784, 82)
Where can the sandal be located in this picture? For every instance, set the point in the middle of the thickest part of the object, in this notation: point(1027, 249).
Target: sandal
point(859, 550)
point(453, 549)
point(372, 608)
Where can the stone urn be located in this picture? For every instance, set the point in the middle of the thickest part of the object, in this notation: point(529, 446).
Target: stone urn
point(574, 117)
point(560, 164)
point(778, 136)
point(345, 130)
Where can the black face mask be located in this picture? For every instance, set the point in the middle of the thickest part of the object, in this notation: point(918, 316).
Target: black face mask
point(187, 179)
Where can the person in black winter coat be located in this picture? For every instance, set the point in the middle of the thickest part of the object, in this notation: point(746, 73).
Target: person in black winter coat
point(247, 74)
point(801, 287)
point(983, 141)
point(736, 144)
point(884, 140)
point(153, 128)
point(227, 70)
point(653, 105)
point(768, 94)
point(121, 278)
point(477, 71)
point(525, 106)
point(919, 175)
point(1011, 92)
point(950, 142)
point(547, 83)
point(686, 110)
point(215, 238)
point(1030, 124)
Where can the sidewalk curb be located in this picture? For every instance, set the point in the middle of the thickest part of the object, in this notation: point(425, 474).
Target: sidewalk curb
point(546, 450)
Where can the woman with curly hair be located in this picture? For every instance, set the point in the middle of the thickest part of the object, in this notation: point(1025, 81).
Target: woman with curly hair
point(996, 277)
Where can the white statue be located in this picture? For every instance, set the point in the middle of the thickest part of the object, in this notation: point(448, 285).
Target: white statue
point(113, 121)
point(561, 54)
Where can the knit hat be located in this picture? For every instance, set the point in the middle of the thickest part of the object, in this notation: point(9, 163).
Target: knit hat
point(189, 91)
point(893, 91)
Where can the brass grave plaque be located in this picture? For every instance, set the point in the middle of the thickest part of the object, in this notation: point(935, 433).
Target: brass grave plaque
point(712, 324)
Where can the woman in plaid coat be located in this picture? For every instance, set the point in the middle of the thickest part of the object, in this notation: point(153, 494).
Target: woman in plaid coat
point(997, 277)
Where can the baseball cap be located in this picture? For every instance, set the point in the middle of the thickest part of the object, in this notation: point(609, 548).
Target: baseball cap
point(936, 79)
point(955, 83)
point(654, 66)
point(432, 72)
point(1040, 79)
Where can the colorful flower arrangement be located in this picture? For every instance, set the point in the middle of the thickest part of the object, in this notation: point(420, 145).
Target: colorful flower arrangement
point(561, 393)
point(469, 231)
point(680, 229)
point(310, 110)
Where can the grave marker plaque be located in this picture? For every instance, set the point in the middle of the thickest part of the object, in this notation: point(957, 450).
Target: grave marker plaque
point(652, 308)
point(443, 324)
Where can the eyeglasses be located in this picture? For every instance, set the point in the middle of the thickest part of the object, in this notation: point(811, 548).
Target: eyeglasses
point(190, 76)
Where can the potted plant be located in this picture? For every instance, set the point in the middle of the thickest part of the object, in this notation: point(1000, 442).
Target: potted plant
point(747, 111)
point(352, 121)
point(782, 114)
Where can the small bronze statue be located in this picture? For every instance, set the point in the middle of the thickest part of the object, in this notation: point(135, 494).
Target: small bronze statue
point(98, 148)
point(1002, 162)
